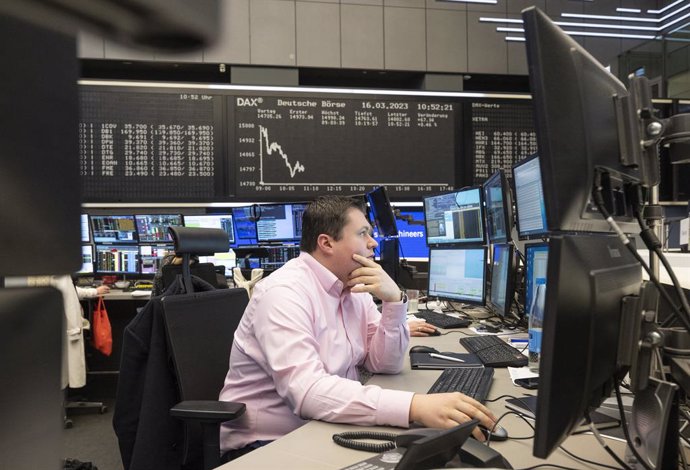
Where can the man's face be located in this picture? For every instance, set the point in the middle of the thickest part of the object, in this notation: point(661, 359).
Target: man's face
point(355, 238)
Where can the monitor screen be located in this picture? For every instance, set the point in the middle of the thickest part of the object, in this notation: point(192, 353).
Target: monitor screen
point(86, 259)
point(502, 279)
point(113, 229)
point(454, 218)
point(222, 221)
point(153, 228)
point(499, 208)
point(588, 277)
point(458, 274)
point(116, 259)
point(151, 256)
point(411, 234)
point(382, 211)
point(529, 199)
point(279, 222)
point(245, 225)
point(227, 260)
point(85, 232)
point(588, 131)
point(536, 261)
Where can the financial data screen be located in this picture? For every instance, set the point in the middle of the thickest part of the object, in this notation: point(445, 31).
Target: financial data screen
point(113, 229)
point(536, 262)
point(454, 217)
point(222, 221)
point(529, 199)
point(279, 222)
point(153, 228)
point(457, 274)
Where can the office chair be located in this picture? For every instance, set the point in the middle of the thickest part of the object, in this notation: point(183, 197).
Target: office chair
point(200, 327)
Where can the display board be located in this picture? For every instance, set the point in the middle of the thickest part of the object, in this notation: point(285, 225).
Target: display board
point(175, 143)
point(151, 145)
point(501, 134)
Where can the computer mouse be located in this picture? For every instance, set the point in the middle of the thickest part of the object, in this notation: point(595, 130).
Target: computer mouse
point(434, 333)
point(498, 434)
point(422, 349)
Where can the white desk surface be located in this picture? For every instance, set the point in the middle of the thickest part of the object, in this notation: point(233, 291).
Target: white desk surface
point(311, 446)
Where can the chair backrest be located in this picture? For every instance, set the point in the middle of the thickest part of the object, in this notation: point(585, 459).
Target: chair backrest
point(200, 328)
point(199, 241)
point(206, 271)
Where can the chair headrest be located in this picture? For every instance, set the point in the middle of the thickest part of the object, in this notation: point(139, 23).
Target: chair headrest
point(199, 241)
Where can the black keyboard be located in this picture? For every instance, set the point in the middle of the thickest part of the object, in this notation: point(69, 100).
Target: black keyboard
point(439, 320)
point(493, 351)
point(472, 381)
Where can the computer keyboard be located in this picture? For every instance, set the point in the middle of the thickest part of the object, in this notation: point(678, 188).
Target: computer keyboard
point(493, 351)
point(439, 320)
point(472, 381)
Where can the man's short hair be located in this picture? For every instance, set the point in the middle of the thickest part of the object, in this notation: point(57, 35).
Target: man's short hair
point(326, 214)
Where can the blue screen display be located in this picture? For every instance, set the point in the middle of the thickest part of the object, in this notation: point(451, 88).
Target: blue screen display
point(412, 236)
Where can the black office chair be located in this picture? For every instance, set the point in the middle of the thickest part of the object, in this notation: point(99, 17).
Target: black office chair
point(200, 328)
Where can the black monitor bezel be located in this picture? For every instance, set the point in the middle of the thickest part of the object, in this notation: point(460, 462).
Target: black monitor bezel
point(382, 215)
point(532, 235)
point(484, 275)
point(510, 281)
point(507, 206)
point(454, 243)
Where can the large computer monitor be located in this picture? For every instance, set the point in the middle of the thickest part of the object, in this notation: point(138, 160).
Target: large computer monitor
point(536, 262)
point(222, 221)
point(588, 277)
point(382, 211)
point(153, 228)
point(529, 199)
point(116, 259)
point(86, 260)
point(458, 274)
point(454, 218)
point(586, 122)
point(113, 229)
point(85, 230)
point(499, 208)
point(502, 289)
point(279, 222)
point(411, 234)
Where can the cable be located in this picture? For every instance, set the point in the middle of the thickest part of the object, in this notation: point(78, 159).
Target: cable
point(351, 441)
point(674, 280)
point(603, 444)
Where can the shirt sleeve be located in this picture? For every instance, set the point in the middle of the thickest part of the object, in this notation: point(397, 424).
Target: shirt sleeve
point(388, 337)
point(86, 292)
point(285, 333)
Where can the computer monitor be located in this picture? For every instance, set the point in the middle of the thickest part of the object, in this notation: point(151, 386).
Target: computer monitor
point(499, 208)
point(529, 199)
point(151, 257)
point(382, 211)
point(245, 225)
point(454, 218)
point(588, 276)
point(153, 228)
point(85, 231)
point(458, 274)
point(411, 234)
point(113, 229)
point(222, 221)
point(279, 222)
point(586, 123)
point(86, 260)
point(502, 289)
point(116, 259)
point(536, 262)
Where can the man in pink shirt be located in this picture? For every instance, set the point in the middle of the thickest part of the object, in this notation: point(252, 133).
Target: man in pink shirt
point(310, 324)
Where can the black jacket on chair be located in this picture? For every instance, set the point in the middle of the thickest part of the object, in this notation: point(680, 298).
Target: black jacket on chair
point(149, 438)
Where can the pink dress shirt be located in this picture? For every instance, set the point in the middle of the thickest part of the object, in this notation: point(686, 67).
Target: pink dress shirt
point(296, 353)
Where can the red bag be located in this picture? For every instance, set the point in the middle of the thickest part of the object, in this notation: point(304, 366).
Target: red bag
point(101, 331)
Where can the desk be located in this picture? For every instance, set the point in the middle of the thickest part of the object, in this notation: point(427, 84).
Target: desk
point(311, 446)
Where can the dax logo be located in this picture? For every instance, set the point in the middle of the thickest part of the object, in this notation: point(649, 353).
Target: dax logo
point(249, 101)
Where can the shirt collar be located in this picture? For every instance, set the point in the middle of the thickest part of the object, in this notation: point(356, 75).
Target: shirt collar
point(326, 278)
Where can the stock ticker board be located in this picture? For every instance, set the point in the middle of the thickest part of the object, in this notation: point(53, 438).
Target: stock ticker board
point(301, 146)
point(175, 143)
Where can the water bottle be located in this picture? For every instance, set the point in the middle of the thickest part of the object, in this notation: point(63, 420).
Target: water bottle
point(536, 321)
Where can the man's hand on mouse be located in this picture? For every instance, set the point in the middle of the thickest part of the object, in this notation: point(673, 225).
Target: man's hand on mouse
point(373, 279)
point(420, 328)
point(446, 410)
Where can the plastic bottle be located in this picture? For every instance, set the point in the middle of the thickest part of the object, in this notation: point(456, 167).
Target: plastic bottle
point(536, 321)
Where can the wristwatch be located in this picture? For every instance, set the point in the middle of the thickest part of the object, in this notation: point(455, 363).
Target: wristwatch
point(403, 296)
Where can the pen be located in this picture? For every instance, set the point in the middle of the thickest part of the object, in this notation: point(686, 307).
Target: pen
point(447, 358)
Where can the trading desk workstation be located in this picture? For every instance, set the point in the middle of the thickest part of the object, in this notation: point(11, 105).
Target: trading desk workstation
point(311, 446)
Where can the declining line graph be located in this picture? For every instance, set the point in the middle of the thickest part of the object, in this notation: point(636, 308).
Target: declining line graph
point(271, 148)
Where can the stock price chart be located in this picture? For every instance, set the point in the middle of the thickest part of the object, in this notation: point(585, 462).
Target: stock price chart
point(298, 146)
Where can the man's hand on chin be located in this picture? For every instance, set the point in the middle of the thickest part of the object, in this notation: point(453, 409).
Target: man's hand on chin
point(373, 279)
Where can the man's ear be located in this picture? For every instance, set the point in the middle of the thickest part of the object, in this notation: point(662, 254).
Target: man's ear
point(324, 243)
